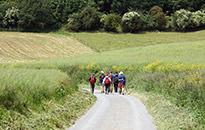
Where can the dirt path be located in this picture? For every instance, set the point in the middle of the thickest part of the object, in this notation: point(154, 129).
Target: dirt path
point(115, 112)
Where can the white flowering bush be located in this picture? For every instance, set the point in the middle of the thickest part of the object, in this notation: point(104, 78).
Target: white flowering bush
point(11, 17)
point(184, 20)
point(131, 22)
point(197, 19)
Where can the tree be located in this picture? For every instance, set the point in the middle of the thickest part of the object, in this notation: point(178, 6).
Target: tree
point(89, 19)
point(159, 17)
point(36, 15)
point(112, 22)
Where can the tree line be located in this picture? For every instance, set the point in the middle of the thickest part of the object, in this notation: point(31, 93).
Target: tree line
point(108, 15)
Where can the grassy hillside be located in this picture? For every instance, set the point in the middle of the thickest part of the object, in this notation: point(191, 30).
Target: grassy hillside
point(112, 41)
point(186, 53)
point(169, 67)
point(15, 46)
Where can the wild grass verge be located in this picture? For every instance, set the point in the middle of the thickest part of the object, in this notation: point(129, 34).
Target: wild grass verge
point(40, 99)
point(166, 115)
point(21, 88)
point(54, 114)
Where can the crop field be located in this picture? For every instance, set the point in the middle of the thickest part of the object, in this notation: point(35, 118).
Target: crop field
point(20, 47)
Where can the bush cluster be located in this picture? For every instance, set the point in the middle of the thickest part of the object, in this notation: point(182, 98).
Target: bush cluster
point(135, 21)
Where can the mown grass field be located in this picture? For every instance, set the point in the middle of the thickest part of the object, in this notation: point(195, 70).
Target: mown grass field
point(21, 47)
point(161, 64)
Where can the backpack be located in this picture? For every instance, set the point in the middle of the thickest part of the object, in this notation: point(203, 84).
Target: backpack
point(107, 81)
point(92, 80)
point(111, 76)
point(102, 76)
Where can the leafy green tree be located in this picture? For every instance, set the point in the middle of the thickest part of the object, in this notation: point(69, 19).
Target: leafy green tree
point(159, 17)
point(89, 19)
point(112, 22)
point(36, 15)
point(74, 22)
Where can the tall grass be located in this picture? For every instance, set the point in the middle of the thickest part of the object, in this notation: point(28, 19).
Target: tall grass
point(21, 88)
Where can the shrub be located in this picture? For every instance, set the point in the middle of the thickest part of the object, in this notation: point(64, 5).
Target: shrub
point(89, 19)
point(130, 22)
point(74, 22)
point(185, 20)
point(102, 20)
point(11, 17)
point(182, 19)
point(112, 22)
point(197, 19)
point(159, 17)
point(147, 21)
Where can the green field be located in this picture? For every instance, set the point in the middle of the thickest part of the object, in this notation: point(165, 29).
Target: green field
point(191, 53)
point(159, 63)
point(114, 41)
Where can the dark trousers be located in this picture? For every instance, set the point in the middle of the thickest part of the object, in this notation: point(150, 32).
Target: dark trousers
point(107, 88)
point(116, 87)
point(92, 87)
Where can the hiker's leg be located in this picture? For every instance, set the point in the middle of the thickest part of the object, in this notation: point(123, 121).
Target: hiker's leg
point(109, 88)
point(93, 88)
point(120, 87)
point(102, 88)
point(115, 87)
point(123, 88)
point(106, 88)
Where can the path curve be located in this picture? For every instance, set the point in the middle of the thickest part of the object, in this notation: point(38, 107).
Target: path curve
point(115, 112)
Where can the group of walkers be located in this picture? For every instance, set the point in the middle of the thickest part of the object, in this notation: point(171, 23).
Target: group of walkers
point(108, 81)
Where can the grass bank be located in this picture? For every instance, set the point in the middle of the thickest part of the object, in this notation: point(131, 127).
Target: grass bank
point(40, 99)
point(54, 114)
point(166, 115)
